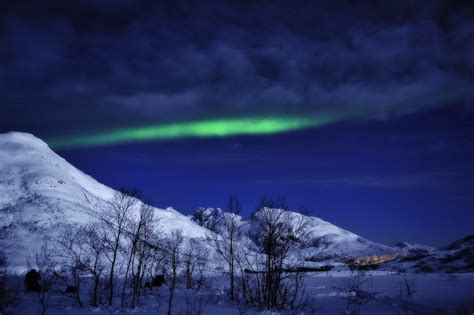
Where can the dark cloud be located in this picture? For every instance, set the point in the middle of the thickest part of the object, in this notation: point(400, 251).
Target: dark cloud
point(78, 63)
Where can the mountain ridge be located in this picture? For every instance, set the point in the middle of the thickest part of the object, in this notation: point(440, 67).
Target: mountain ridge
point(40, 192)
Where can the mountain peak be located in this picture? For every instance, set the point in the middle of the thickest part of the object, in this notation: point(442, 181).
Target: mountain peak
point(23, 138)
point(40, 192)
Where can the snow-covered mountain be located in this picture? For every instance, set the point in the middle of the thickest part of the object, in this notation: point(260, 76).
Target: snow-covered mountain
point(40, 192)
point(324, 241)
point(455, 257)
point(328, 244)
point(407, 248)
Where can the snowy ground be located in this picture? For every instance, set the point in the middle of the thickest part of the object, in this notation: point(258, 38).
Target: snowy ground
point(435, 294)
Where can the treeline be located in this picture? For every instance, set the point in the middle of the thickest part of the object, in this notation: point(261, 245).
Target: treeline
point(119, 257)
point(114, 260)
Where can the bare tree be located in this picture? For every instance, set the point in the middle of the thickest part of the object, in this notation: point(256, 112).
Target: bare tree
point(147, 231)
point(45, 266)
point(115, 218)
point(82, 254)
point(407, 286)
point(158, 259)
point(132, 233)
point(3, 276)
point(278, 233)
point(190, 261)
point(355, 294)
point(200, 278)
point(225, 243)
point(194, 261)
point(93, 242)
point(173, 247)
point(10, 295)
point(73, 255)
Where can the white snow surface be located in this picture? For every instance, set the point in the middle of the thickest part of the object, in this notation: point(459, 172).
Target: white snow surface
point(324, 241)
point(435, 294)
point(40, 192)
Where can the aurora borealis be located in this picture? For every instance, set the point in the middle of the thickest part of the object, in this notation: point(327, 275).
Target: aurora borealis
point(361, 111)
point(247, 125)
point(199, 129)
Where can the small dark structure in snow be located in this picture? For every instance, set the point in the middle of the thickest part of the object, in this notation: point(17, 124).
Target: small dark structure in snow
point(71, 289)
point(157, 281)
point(31, 281)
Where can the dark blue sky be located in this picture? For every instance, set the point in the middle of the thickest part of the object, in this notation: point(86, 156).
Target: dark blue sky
point(400, 169)
point(410, 178)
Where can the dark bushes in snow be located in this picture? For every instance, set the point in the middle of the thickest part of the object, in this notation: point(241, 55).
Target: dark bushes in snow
point(31, 281)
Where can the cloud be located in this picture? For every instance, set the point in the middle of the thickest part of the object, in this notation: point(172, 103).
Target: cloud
point(154, 103)
point(156, 62)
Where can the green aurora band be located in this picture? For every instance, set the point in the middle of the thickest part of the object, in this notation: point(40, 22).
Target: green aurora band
point(254, 125)
point(195, 129)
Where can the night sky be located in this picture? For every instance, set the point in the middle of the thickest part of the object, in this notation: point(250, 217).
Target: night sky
point(360, 111)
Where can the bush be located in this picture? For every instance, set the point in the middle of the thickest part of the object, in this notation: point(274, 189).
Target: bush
point(9, 287)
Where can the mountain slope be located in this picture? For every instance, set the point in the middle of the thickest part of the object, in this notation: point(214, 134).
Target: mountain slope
point(324, 241)
point(40, 192)
point(455, 257)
